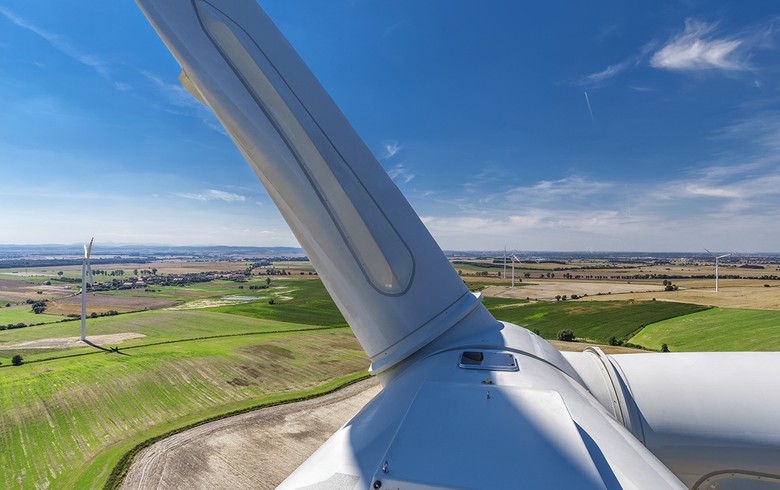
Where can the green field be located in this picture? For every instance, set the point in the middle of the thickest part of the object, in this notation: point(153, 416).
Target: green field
point(24, 314)
point(718, 329)
point(66, 422)
point(595, 321)
point(308, 303)
point(157, 326)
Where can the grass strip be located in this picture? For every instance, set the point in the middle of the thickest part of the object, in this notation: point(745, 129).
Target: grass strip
point(122, 466)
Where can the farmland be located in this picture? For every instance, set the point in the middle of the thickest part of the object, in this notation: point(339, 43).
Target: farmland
point(69, 420)
point(718, 329)
point(69, 413)
point(592, 321)
point(206, 347)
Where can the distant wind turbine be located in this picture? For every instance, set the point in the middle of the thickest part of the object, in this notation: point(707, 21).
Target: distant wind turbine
point(514, 257)
point(717, 258)
point(504, 261)
point(86, 267)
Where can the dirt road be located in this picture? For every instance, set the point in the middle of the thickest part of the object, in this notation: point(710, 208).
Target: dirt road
point(253, 450)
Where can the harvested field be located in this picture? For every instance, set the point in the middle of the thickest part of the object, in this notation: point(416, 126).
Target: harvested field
point(244, 451)
point(71, 342)
point(101, 303)
point(547, 290)
point(732, 294)
point(18, 291)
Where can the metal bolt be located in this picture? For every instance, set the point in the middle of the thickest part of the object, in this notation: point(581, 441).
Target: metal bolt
point(377, 484)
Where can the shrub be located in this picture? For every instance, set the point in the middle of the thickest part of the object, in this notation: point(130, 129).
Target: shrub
point(566, 335)
point(17, 360)
point(664, 348)
point(271, 301)
point(537, 332)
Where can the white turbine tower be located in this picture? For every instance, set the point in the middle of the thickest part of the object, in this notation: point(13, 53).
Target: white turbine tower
point(86, 267)
point(717, 259)
point(514, 257)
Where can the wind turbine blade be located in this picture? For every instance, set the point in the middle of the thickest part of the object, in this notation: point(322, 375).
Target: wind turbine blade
point(91, 280)
point(398, 294)
point(708, 252)
point(88, 251)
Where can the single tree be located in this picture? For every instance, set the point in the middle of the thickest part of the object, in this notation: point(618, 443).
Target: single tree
point(664, 348)
point(17, 360)
point(566, 335)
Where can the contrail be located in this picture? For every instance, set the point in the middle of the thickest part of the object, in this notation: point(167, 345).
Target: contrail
point(587, 99)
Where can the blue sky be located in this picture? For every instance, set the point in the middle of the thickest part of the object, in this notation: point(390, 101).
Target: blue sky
point(649, 126)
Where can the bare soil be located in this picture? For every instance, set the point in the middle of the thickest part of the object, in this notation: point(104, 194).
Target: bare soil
point(71, 342)
point(254, 450)
point(547, 290)
point(101, 303)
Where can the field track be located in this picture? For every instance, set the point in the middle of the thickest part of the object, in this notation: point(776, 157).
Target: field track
point(245, 451)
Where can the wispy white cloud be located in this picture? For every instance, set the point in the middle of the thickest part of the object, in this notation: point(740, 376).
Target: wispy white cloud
point(391, 149)
point(59, 43)
point(698, 48)
point(401, 173)
point(707, 191)
point(684, 210)
point(174, 93)
point(572, 187)
point(600, 77)
point(177, 96)
point(213, 195)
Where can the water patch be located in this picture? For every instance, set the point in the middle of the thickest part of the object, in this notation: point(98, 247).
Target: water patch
point(241, 298)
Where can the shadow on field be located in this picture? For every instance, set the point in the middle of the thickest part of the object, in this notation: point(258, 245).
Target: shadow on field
point(100, 347)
